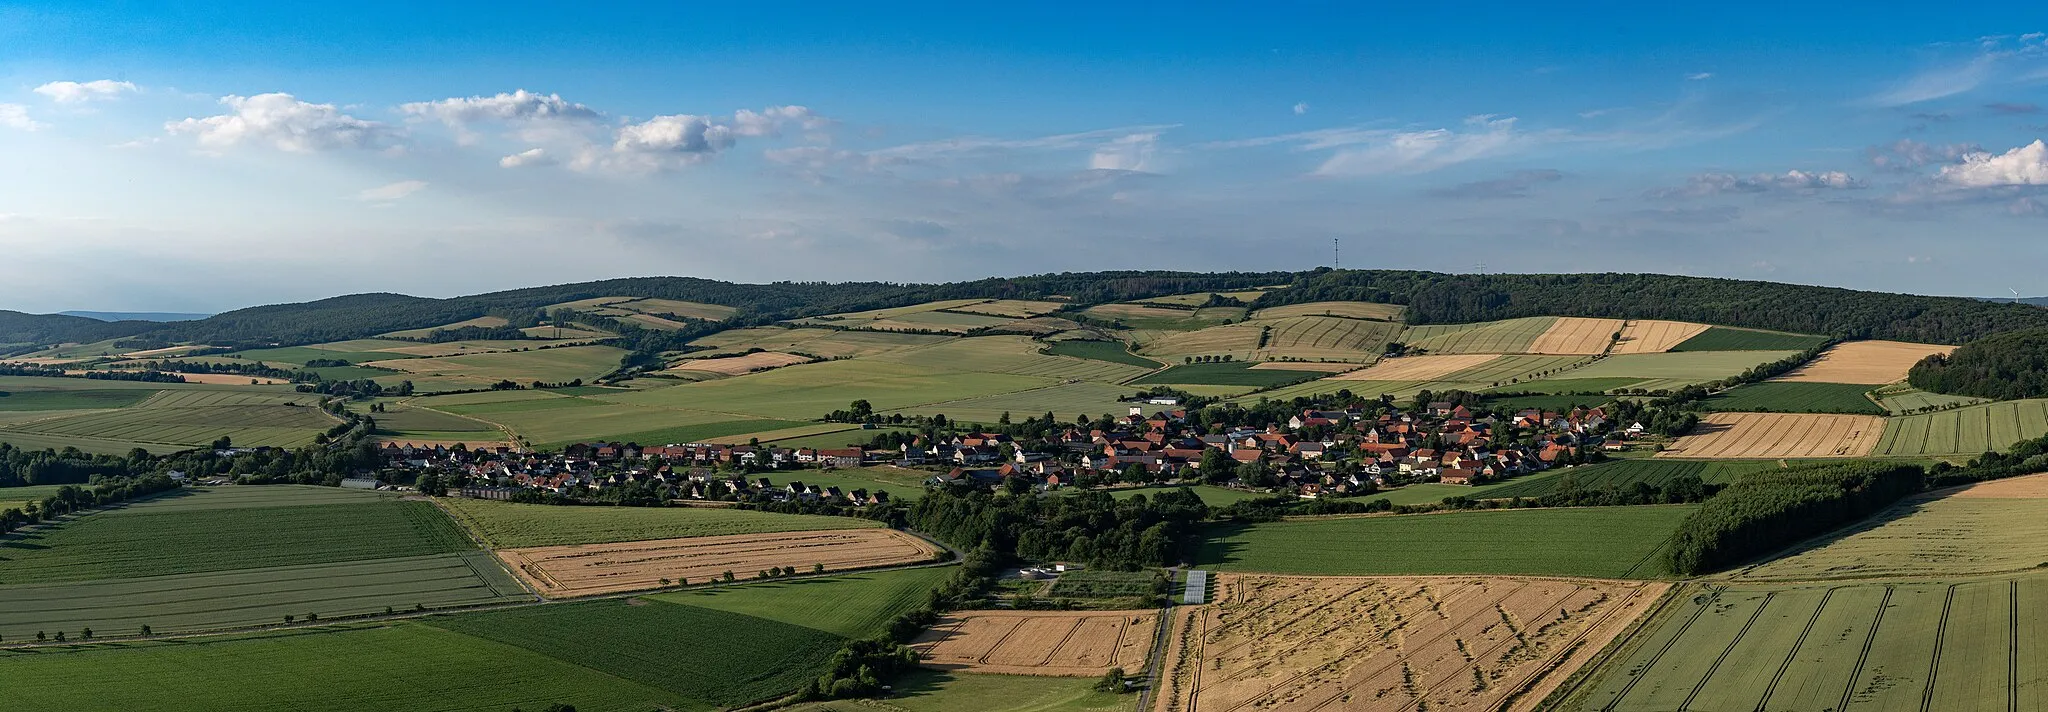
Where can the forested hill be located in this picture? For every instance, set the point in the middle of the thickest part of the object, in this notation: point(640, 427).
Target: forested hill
point(19, 328)
point(2008, 365)
point(362, 315)
point(1435, 298)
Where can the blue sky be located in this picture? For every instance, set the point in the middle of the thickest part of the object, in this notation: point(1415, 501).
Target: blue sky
point(204, 156)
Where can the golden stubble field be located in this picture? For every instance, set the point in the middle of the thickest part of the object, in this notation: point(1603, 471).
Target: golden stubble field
point(1418, 368)
point(1864, 362)
point(1571, 335)
point(1652, 336)
point(740, 365)
point(1778, 435)
point(1296, 644)
point(1057, 643)
point(592, 569)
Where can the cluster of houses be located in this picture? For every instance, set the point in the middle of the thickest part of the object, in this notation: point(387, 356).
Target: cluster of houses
point(1315, 453)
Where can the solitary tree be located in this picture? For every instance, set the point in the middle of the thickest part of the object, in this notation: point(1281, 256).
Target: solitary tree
point(288, 619)
point(817, 568)
point(1112, 681)
point(146, 631)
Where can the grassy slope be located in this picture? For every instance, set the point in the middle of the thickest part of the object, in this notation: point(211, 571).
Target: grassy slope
point(1227, 374)
point(1723, 338)
point(1611, 542)
point(1792, 397)
point(508, 525)
point(853, 606)
point(1114, 352)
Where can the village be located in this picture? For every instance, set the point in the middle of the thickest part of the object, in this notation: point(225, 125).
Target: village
point(1314, 454)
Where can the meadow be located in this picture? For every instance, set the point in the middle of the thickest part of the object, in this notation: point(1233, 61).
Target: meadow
point(1227, 374)
point(1689, 367)
point(858, 605)
point(71, 399)
point(552, 421)
point(507, 525)
point(1727, 338)
point(1625, 473)
point(555, 365)
point(1111, 351)
point(1063, 401)
point(1906, 646)
point(948, 691)
point(1302, 337)
point(1968, 430)
point(1014, 355)
point(1901, 399)
point(899, 483)
point(156, 537)
point(1796, 397)
point(1607, 542)
point(159, 417)
point(823, 343)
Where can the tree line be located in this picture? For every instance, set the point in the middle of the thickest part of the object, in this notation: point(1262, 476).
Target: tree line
point(1768, 510)
point(1084, 527)
point(2002, 366)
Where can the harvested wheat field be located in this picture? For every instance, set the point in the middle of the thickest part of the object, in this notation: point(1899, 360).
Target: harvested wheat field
point(1866, 362)
point(1652, 336)
point(1295, 644)
point(589, 569)
point(2028, 487)
point(1417, 368)
point(1303, 366)
point(1778, 435)
point(740, 365)
point(231, 379)
point(1060, 643)
point(1576, 335)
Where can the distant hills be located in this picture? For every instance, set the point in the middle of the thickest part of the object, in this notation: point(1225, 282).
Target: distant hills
point(136, 316)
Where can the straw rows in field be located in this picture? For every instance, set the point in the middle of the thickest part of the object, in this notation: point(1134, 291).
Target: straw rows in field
point(1512, 336)
point(589, 569)
point(1576, 335)
point(1069, 643)
point(1865, 362)
point(1779, 435)
point(1449, 643)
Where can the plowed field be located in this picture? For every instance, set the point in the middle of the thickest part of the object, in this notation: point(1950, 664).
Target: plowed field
point(1066, 643)
point(1278, 644)
point(589, 569)
point(1777, 435)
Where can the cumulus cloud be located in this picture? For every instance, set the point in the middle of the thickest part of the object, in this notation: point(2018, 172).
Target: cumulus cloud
point(1301, 108)
point(15, 116)
point(284, 122)
point(528, 157)
point(1516, 185)
point(1907, 154)
point(391, 192)
point(2026, 165)
point(521, 105)
point(1794, 181)
point(79, 92)
point(1129, 153)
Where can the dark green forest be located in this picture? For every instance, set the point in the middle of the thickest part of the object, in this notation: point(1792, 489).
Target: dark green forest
point(1765, 511)
point(2009, 365)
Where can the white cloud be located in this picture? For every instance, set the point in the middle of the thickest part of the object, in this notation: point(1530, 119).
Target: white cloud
point(771, 121)
point(15, 116)
point(1301, 108)
point(78, 92)
point(392, 192)
point(2026, 165)
point(1699, 76)
point(1795, 181)
point(521, 105)
point(1907, 153)
point(1361, 151)
point(528, 157)
point(283, 122)
point(1131, 153)
point(1992, 60)
point(664, 142)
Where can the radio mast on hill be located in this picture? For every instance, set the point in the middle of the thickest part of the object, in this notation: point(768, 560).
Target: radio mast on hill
point(1336, 260)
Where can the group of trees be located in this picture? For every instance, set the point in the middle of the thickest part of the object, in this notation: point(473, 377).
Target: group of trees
point(1768, 510)
point(103, 490)
point(2002, 366)
point(1086, 527)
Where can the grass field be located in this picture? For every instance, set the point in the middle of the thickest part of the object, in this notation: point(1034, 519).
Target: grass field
point(1351, 310)
point(812, 390)
point(1791, 397)
point(1211, 495)
point(1559, 403)
point(17, 496)
point(1011, 355)
point(1608, 542)
point(156, 537)
point(554, 365)
point(1726, 338)
point(1993, 527)
point(823, 343)
point(851, 605)
point(1063, 401)
point(1688, 367)
point(1493, 337)
point(482, 321)
point(1111, 351)
point(1909, 646)
point(71, 399)
point(553, 420)
point(1227, 374)
point(1964, 431)
point(1149, 317)
point(1302, 337)
point(1624, 473)
point(175, 418)
point(899, 483)
point(945, 691)
point(507, 526)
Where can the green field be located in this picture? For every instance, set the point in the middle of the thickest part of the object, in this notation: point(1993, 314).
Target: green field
point(552, 421)
point(1064, 401)
point(71, 399)
point(1679, 367)
point(1558, 403)
point(1608, 542)
point(508, 525)
point(402, 420)
point(1795, 397)
point(1910, 646)
point(187, 417)
point(1725, 338)
point(899, 483)
point(1509, 371)
point(1211, 495)
point(809, 391)
point(937, 691)
point(823, 343)
point(1927, 535)
point(852, 605)
point(1312, 338)
point(554, 365)
point(1969, 430)
point(254, 596)
point(1111, 351)
point(195, 531)
point(841, 435)
point(17, 496)
point(1103, 583)
point(1013, 355)
point(1624, 473)
point(1901, 399)
point(1571, 383)
point(1227, 374)
point(1493, 337)
point(685, 651)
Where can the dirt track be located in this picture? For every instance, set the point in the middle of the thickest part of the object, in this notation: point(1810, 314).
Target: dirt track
point(590, 569)
point(1059, 643)
point(1778, 435)
point(1296, 644)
